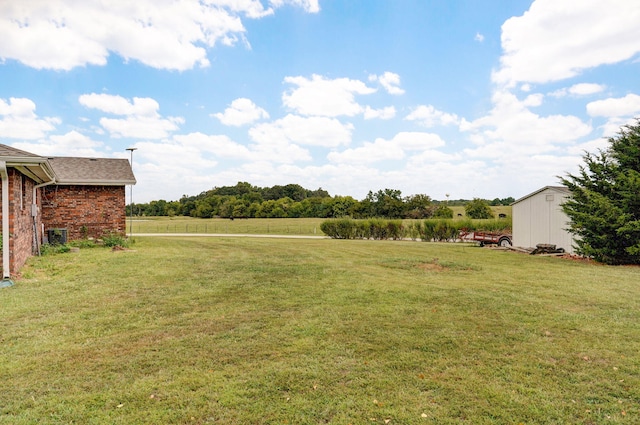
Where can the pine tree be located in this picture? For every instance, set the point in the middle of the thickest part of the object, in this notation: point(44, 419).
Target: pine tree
point(604, 206)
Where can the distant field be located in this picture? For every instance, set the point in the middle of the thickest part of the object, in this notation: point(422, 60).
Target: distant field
point(496, 211)
point(279, 331)
point(279, 226)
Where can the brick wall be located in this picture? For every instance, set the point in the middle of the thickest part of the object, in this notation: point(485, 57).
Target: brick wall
point(85, 211)
point(21, 224)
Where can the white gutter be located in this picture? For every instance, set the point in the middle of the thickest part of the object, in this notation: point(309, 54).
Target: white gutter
point(6, 271)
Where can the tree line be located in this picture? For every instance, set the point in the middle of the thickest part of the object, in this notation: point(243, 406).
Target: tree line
point(294, 201)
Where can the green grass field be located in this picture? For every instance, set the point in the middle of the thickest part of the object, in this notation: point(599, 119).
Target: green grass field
point(278, 226)
point(282, 226)
point(281, 331)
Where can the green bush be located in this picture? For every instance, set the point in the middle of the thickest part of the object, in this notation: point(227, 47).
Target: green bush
point(436, 230)
point(112, 239)
point(346, 228)
point(493, 225)
point(343, 228)
point(445, 231)
point(414, 230)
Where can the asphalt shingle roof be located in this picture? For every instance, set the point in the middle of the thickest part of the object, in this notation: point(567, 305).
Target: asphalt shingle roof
point(8, 151)
point(72, 170)
point(99, 171)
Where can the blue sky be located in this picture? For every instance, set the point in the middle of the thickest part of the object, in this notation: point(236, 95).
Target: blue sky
point(466, 98)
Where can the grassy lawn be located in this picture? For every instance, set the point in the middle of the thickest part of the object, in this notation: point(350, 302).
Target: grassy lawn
point(270, 331)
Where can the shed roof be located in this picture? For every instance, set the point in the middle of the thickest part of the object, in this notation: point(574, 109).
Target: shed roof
point(561, 189)
point(92, 171)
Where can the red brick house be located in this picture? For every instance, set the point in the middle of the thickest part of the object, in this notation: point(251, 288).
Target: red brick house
point(41, 196)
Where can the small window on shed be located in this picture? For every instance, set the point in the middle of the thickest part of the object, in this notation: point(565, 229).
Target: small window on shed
point(549, 198)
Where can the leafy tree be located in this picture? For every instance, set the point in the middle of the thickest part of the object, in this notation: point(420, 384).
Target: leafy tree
point(478, 209)
point(386, 203)
point(418, 206)
point(295, 192)
point(442, 211)
point(319, 193)
point(604, 206)
point(504, 201)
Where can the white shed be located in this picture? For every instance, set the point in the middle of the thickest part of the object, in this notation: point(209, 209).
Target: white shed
point(538, 219)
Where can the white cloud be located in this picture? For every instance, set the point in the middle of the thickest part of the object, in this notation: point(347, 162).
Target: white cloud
point(615, 107)
point(72, 143)
point(390, 81)
point(281, 153)
point(179, 167)
point(414, 140)
point(430, 156)
point(429, 116)
point(63, 34)
point(18, 120)
point(310, 6)
point(312, 131)
point(557, 39)
point(324, 97)
point(590, 146)
point(614, 124)
point(241, 111)
point(250, 8)
point(142, 119)
point(118, 105)
point(385, 113)
point(379, 150)
point(385, 150)
point(618, 111)
point(581, 89)
point(533, 100)
point(479, 37)
point(512, 123)
point(220, 146)
point(140, 127)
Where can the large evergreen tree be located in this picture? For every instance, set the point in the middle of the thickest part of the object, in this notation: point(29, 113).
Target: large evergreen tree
point(604, 206)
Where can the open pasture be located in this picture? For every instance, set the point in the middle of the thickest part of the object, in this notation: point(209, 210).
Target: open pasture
point(251, 226)
point(280, 331)
point(265, 226)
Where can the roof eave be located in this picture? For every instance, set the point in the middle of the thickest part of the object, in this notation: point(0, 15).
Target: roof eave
point(95, 182)
point(562, 189)
point(40, 172)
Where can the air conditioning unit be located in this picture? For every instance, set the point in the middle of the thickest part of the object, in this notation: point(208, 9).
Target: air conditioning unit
point(57, 236)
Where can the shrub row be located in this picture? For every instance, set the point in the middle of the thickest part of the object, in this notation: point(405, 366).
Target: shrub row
point(346, 228)
point(438, 230)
